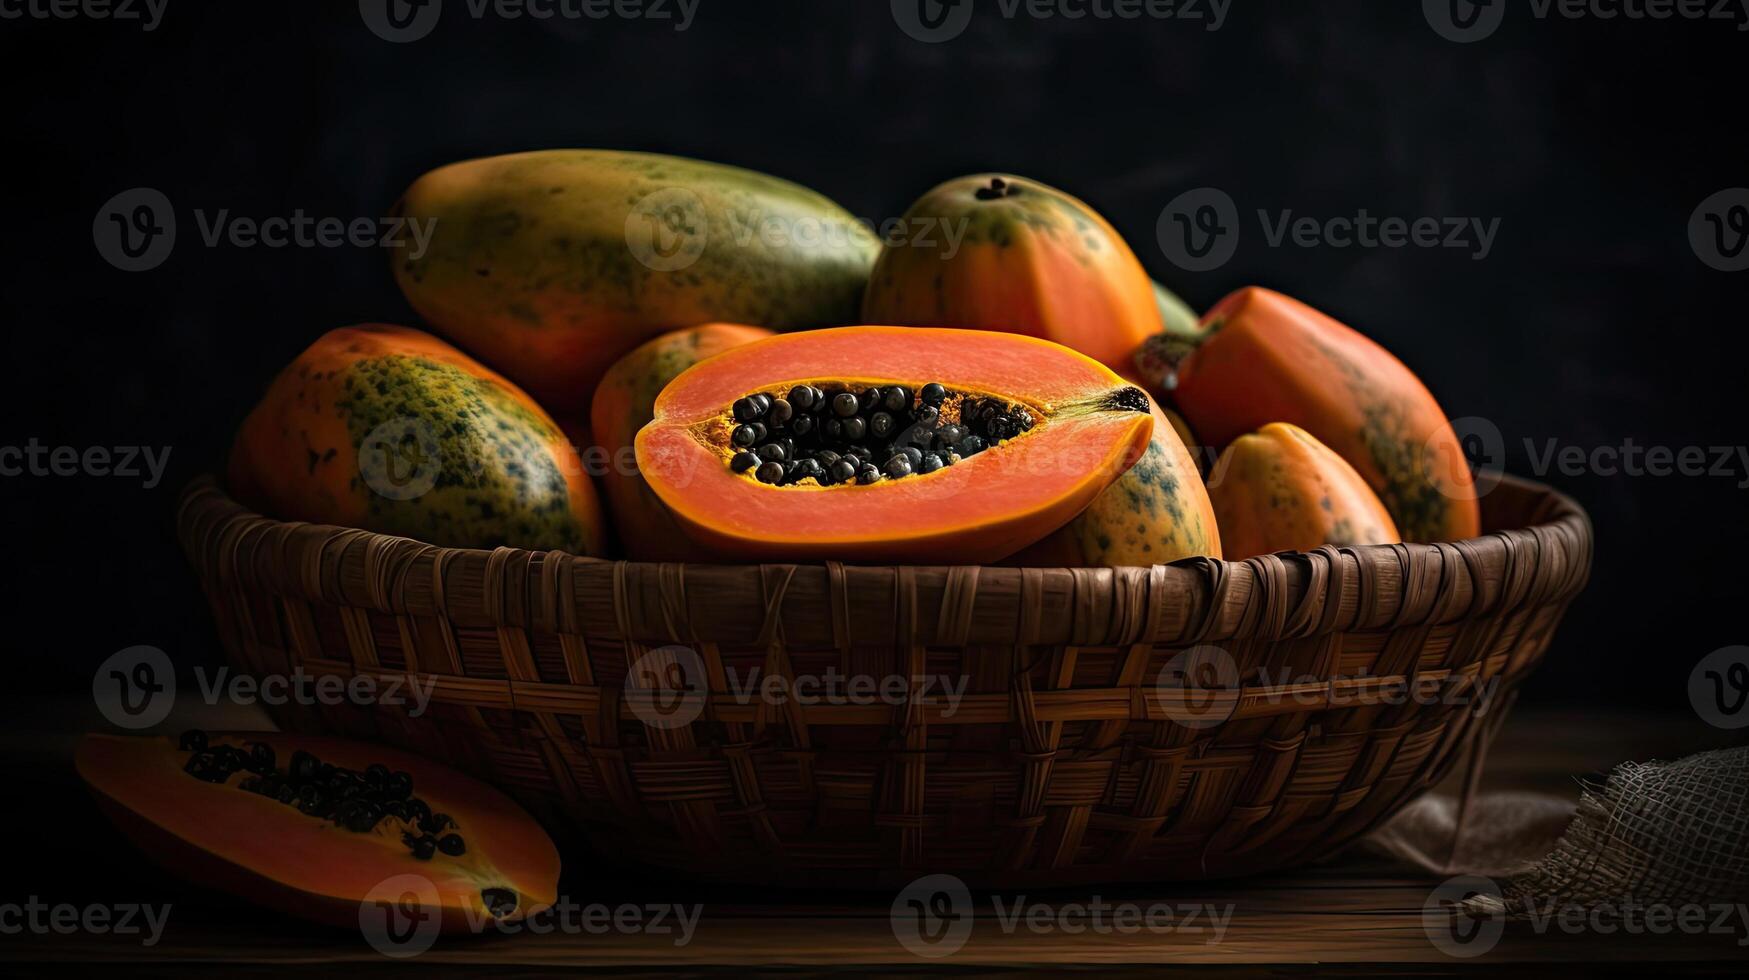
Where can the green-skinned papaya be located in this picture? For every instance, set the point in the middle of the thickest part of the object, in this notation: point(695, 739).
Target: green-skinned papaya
point(551, 265)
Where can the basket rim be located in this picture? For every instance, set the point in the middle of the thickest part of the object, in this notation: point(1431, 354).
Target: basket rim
point(1544, 562)
point(1559, 511)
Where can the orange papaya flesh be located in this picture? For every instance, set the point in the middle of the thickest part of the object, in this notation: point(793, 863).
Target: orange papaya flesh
point(323, 854)
point(1271, 358)
point(1071, 427)
point(624, 402)
point(1157, 512)
point(1031, 260)
point(390, 429)
point(1280, 489)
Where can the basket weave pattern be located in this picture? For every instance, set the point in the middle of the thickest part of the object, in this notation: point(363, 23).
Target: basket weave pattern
point(1064, 760)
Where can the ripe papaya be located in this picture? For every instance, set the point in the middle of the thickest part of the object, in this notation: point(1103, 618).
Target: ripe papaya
point(323, 828)
point(1157, 512)
point(551, 265)
point(889, 444)
point(1268, 358)
point(1279, 489)
point(624, 402)
point(1030, 260)
point(392, 430)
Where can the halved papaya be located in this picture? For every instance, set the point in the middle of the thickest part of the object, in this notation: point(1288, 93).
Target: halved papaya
point(315, 827)
point(889, 444)
point(1280, 489)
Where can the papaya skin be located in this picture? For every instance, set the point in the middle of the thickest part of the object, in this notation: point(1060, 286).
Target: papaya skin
point(1033, 261)
point(624, 403)
point(1177, 318)
point(269, 853)
point(1157, 512)
point(530, 263)
point(1279, 489)
point(506, 476)
point(1271, 358)
point(1090, 427)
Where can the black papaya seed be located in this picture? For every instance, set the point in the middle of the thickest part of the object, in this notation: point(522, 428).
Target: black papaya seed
point(970, 445)
point(930, 464)
point(898, 399)
point(779, 413)
point(499, 902)
point(880, 425)
point(870, 399)
point(842, 471)
point(898, 466)
point(745, 410)
point(452, 844)
point(744, 461)
point(950, 434)
point(913, 455)
point(772, 452)
point(801, 398)
point(853, 429)
point(933, 394)
point(770, 472)
point(762, 401)
point(436, 823)
point(868, 474)
point(743, 436)
point(801, 425)
point(424, 848)
point(844, 405)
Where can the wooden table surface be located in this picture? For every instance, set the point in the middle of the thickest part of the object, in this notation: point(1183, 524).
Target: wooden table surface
point(1357, 910)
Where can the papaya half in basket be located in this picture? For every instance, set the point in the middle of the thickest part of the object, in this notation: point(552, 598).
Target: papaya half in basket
point(910, 445)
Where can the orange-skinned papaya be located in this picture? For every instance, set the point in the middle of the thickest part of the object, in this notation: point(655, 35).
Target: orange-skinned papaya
point(1029, 259)
point(919, 445)
point(392, 430)
point(1268, 358)
point(310, 827)
point(624, 402)
point(1279, 489)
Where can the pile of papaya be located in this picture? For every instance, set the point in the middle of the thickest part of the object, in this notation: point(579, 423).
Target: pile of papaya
point(647, 357)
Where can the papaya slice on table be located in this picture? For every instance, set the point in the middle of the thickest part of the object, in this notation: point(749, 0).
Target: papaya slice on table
point(318, 827)
point(916, 445)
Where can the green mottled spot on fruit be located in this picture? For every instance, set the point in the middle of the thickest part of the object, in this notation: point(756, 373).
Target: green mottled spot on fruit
point(1142, 513)
point(497, 481)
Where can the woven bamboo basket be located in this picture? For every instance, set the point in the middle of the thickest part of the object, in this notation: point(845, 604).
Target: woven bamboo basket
point(1358, 677)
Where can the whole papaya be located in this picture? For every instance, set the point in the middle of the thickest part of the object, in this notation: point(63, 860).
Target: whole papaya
point(624, 403)
point(392, 430)
point(1157, 512)
point(1011, 254)
point(1266, 357)
point(1279, 489)
point(551, 265)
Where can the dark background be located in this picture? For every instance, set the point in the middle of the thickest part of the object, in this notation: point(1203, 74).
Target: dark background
point(1591, 322)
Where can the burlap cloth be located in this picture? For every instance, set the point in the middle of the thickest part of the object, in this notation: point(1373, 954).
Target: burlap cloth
point(1670, 833)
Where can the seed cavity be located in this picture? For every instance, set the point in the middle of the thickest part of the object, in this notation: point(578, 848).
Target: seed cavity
point(349, 799)
point(1128, 400)
point(837, 434)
